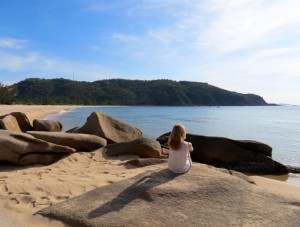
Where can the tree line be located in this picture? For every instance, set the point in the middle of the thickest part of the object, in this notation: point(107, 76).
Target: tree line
point(5, 94)
point(124, 92)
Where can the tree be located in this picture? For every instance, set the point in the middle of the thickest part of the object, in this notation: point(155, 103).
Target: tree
point(127, 92)
point(5, 94)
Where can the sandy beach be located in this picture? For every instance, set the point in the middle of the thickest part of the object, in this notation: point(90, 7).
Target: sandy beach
point(33, 111)
point(25, 190)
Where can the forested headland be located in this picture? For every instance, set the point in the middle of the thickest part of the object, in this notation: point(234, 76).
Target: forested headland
point(124, 92)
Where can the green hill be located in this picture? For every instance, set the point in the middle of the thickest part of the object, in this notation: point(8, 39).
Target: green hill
point(128, 92)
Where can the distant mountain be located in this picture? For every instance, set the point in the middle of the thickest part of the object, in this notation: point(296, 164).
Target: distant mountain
point(129, 92)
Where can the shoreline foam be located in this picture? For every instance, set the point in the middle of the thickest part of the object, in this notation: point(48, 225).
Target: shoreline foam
point(34, 111)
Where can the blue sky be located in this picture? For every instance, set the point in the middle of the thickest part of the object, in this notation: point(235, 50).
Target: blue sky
point(247, 46)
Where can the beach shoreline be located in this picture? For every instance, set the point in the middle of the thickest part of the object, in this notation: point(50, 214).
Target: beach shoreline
point(24, 190)
point(35, 111)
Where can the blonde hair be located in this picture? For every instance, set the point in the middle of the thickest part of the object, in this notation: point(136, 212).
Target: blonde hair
point(177, 137)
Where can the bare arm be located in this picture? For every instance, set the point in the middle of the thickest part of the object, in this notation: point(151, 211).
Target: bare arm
point(191, 147)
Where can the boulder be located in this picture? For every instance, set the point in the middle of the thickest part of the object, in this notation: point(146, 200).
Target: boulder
point(78, 141)
point(47, 125)
point(112, 129)
point(142, 147)
point(293, 169)
point(241, 155)
point(23, 121)
point(73, 130)
point(15, 145)
point(40, 158)
point(142, 162)
point(254, 146)
point(201, 197)
point(8, 218)
point(9, 122)
point(236, 174)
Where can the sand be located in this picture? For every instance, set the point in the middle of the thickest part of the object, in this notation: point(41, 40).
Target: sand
point(33, 111)
point(25, 190)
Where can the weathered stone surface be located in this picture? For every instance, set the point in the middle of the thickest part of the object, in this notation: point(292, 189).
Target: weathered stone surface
point(14, 145)
point(9, 122)
point(78, 141)
point(201, 197)
point(73, 130)
point(293, 169)
point(23, 121)
point(112, 129)
point(143, 147)
point(244, 156)
point(236, 174)
point(254, 146)
point(8, 219)
point(142, 162)
point(47, 125)
point(40, 158)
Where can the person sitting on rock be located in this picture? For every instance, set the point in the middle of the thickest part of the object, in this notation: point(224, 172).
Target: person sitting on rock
point(179, 155)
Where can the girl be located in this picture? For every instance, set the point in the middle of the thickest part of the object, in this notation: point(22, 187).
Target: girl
point(179, 154)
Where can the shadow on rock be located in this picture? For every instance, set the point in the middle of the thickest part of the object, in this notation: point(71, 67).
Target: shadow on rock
point(138, 190)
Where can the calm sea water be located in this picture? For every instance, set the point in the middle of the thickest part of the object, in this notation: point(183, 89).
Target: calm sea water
point(277, 126)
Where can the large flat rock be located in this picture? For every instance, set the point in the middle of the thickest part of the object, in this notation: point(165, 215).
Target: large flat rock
point(201, 197)
point(8, 219)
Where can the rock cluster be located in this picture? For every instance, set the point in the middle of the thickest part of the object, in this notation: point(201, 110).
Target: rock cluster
point(44, 142)
point(241, 155)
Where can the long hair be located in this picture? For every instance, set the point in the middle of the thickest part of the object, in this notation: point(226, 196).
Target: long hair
point(177, 137)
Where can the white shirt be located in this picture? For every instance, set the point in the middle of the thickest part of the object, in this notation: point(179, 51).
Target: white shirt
point(179, 161)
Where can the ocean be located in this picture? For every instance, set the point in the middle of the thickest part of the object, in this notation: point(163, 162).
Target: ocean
point(277, 126)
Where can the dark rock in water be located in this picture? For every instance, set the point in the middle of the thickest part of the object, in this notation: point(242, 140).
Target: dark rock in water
point(241, 155)
point(112, 129)
point(78, 141)
point(293, 169)
point(143, 147)
point(163, 139)
point(142, 162)
point(200, 197)
point(47, 125)
point(254, 146)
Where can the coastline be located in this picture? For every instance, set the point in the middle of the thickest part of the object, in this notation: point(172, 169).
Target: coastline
point(292, 178)
point(277, 185)
point(9, 216)
point(24, 190)
point(34, 111)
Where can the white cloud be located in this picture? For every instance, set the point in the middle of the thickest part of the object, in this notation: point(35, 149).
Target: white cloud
point(160, 4)
point(34, 64)
point(16, 63)
point(238, 25)
point(271, 73)
point(221, 26)
point(247, 46)
point(13, 43)
point(126, 38)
